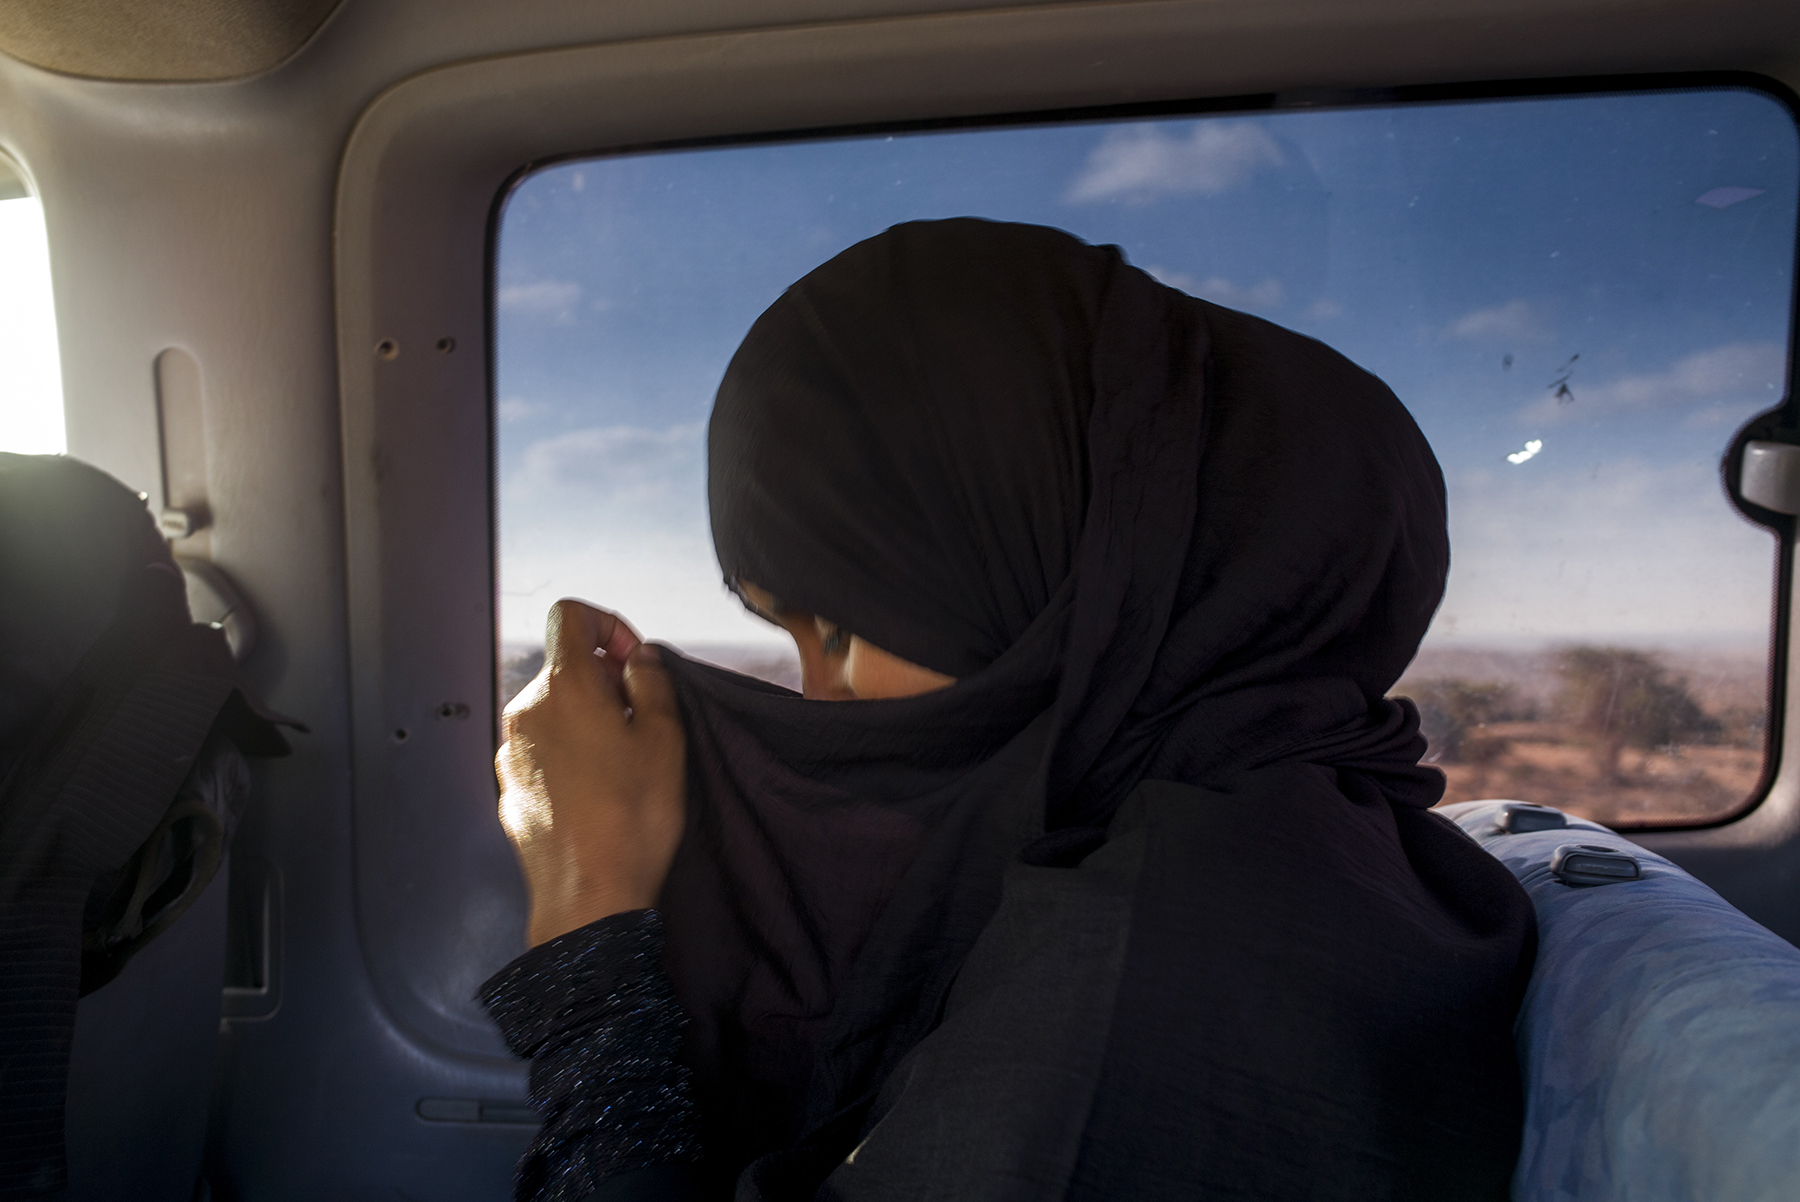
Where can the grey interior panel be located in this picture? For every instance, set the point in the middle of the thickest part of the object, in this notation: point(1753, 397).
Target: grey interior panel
point(141, 1065)
point(12, 184)
point(159, 39)
point(278, 230)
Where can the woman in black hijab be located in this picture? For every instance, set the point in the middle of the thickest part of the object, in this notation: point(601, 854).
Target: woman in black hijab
point(1137, 895)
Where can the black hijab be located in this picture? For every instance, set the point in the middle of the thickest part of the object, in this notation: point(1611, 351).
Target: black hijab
point(1154, 540)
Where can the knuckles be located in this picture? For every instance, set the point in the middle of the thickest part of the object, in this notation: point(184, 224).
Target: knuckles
point(557, 727)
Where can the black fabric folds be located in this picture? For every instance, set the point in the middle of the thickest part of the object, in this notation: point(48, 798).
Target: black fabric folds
point(121, 726)
point(1156, 541)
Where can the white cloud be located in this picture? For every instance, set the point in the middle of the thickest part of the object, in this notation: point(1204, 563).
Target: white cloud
point(617, 515)
point(1267, 295)
point(1724, 198)
point(617, 465)
point(1515, 321)
point(555, 299)
point(1142, 163)
point(665, 581)
point(1527, 454)
point(516, 408)
point(1745, 372)
point(1324, 310)
point(1613, 549)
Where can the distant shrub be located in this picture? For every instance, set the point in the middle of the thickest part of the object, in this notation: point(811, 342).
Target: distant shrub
point(1452, 711)
point(1619, 697)
point(1742, 725)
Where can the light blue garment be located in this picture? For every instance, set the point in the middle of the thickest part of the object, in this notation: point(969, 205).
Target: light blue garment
point(1659, 1038)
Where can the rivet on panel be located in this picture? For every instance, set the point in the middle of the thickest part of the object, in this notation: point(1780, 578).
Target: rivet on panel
point(387, 348)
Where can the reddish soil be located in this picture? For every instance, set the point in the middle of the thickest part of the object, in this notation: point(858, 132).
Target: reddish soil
point(1543, 762)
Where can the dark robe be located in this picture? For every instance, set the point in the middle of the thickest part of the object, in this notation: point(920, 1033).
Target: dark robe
point(1150, 903)
point(121, 726)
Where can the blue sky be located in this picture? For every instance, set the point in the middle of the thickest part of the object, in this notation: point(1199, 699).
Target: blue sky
point(1637, 248)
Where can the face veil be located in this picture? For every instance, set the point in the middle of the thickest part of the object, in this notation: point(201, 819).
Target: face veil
point(1154, 540)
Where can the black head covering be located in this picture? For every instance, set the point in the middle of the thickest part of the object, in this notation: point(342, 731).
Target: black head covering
point(1154, 539)
point(859, 425)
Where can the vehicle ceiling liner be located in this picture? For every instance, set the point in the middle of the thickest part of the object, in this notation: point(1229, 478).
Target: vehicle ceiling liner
point(159, 40)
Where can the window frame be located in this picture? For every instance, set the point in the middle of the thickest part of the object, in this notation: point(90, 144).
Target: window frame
point(1779, 423)
point(422, 182)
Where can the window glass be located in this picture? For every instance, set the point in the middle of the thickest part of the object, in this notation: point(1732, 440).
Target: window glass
point(1580, 299)
point(31, 403)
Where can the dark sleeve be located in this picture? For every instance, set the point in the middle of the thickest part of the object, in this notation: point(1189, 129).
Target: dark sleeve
point(594, 1012)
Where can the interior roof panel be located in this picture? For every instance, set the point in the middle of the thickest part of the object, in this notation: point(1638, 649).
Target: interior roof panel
point(169, 40)
point(209, 40)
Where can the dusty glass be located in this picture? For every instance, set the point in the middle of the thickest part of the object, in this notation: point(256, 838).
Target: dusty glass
point(1579, 298)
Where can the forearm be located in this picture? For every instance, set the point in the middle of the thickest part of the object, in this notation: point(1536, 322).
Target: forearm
point(594, 1012)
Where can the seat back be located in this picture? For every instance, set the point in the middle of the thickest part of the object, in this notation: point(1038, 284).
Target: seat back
point(1660, 1034)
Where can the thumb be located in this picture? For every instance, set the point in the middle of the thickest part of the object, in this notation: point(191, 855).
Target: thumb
point(649, 691)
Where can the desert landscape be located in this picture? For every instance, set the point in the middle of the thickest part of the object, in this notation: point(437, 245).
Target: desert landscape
point(1621, 735)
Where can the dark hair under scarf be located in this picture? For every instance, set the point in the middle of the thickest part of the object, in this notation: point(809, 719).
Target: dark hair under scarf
point(1154, 540)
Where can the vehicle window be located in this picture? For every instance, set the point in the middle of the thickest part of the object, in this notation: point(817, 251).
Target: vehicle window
point(1581, 299)
point(31, 404)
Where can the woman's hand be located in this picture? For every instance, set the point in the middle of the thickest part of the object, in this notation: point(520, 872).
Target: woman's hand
point(592, 773)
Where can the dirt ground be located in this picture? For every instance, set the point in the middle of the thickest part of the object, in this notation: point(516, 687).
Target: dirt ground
point(1540, 762)
point(1546, 761)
